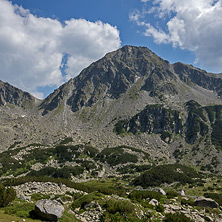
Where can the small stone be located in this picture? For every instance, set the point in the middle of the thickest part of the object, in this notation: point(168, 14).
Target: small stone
point(182, 193)
point(162, 191)
point(154, 202)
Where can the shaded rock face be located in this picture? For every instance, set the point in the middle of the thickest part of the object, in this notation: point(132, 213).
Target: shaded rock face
point(14, 96)
point(155, 119)
point(50, 210)
point(205, 202)
point(190, 74)
point(201, 122)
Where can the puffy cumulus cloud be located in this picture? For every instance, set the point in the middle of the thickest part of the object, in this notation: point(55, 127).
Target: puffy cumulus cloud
point(192, 25)
point(32, 49)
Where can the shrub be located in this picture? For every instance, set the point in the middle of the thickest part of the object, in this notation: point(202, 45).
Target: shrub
point(177, 217)
point(64, 172)
point(171, 194)
point(115, 156)
point(140, 195)
point(119, 127)
point(7, 195)
point(66, 140)
point(83, 200)
point(20, 209)
point(187, 202)
point(160, 208)
point(166, 174)
point(122, 206)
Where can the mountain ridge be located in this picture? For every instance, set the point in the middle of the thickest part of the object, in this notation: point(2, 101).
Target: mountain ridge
point(119, 90)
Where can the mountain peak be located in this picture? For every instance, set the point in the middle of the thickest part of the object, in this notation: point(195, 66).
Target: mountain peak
point(14, 96)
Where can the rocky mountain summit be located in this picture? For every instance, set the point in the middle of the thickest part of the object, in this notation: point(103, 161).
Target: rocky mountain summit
point(129, 97)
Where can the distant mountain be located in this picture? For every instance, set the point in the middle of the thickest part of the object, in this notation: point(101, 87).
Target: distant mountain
point(129, 97)
point(139, 68)
point(14, 96)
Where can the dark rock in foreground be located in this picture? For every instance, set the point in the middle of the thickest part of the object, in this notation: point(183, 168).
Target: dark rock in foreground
point(205, 202)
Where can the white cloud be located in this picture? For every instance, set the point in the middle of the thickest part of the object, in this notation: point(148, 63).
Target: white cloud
point(32, 48)
point(192, 25)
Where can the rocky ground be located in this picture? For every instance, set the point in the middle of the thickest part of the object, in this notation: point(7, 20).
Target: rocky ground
point(102, 207)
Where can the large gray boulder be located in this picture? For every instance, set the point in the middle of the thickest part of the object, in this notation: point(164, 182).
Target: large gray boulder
point(50, 210)
point(205, 202)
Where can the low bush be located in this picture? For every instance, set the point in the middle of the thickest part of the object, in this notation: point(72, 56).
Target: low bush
point(20, 209)
point(141, 195)
point(115, 156)
point(171, 194)
point(158, 175)
point(83, 200)
point(66, 140)
point(189, 202)
point(7, 195)
point(177, 217)
point(160, 208)
point(64, 172)
point(122, 206)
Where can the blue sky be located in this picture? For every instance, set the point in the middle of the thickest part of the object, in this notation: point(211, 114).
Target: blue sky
point(43, 43)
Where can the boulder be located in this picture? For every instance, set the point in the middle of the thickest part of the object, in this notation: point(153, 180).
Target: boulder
point(154, 202)
point(182, 193)
point(205, 202)
point(50, 210)
point(162, 191)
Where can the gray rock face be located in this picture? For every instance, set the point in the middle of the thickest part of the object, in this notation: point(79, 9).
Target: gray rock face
point(205, 202)
point(50, 210)
point(12, 95)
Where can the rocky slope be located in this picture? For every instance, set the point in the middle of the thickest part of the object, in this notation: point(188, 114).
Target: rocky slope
point(130, 97)
point(14, 96)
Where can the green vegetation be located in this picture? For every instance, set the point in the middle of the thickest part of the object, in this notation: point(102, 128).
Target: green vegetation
point(20, 209)
point(139, 195)
point(171, 194)
point(178, 154)
point(189, 201)
point(177, 217)
point(133, 168)
point(216, 135)
point(85, 199)
point(166, 174)
point(7, 195)
point(107, 187)
point(119, 127)
point(196, 123)
point(64, 172)
point(122, 206)
point(66, 140)
point(115, 156)
point(14, 144)
point(61, 153)
point(119, 210)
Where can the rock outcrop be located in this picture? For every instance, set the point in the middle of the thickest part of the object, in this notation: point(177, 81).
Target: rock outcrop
point(205, 202)
point(50, 210)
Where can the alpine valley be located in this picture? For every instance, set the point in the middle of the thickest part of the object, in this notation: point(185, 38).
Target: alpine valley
point(127, 125)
